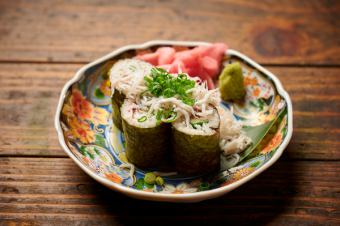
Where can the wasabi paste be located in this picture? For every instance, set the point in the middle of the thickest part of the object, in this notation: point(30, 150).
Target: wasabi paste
point(231, 83)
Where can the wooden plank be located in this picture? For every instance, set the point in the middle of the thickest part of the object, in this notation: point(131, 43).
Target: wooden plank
point(29, 95)
point(26, 89)
point(34, 190)
point(289, 32)
point(316, 110)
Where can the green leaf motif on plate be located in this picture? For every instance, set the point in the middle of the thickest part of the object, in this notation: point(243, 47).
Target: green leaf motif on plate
point(99, 94)
point(255, 164)
point(100, 141)
point(256, 134)
point(86, 153)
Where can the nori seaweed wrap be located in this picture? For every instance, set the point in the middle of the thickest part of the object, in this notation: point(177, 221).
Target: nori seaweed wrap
point(147, 142)
point(196, 145)
point(127, 81)
point(117, 101)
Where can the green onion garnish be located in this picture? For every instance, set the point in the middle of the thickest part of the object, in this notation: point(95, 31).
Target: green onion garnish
point(166, 116)
point(198, 122)
point(161, 83)
point(142, 119)
point(132, 68)
point(171, 118)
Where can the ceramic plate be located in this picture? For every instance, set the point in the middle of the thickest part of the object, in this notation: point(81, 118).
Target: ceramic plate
point(86, 133)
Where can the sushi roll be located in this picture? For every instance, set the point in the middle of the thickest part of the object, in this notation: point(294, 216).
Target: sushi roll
point(147, 140)
point(190, 107)
point(196, 143)
point(127, 81)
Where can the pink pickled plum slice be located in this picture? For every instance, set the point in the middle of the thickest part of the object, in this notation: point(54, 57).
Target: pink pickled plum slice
point(201, 61)
point(151, 58)
point(166, 55)
point(216, 51)
point(210, 65)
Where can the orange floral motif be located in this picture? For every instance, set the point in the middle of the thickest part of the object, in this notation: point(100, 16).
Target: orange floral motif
point(114, 177)
point(81, 107)
point(249, 81)
point(77, 106)
point(273, 143)
point(81, 130)
point(276, 140)
point(256, 92)
point(79, 114)
point(239, 175)
point(243, 172)
point(99, 116)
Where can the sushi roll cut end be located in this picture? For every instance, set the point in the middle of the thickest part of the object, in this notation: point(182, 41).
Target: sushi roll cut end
point(147, 143)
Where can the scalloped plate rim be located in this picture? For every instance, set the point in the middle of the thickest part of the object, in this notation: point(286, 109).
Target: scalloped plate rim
point(189, 197)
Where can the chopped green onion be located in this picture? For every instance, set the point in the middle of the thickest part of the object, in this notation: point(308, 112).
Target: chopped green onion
point(165, 116)
point(159, 181)
point(142, 119)
point(132, 68)
point(159, 116)
point(198, 122)
point(150, 178)
point(161, 83)
point(172, 118)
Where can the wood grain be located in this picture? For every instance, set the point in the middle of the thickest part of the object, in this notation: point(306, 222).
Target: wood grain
point(56, 190)
point(43, 43)
point(26, 89)
point(289, 32)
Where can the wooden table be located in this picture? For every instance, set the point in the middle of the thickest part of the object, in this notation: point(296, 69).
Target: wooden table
point(43, 43)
